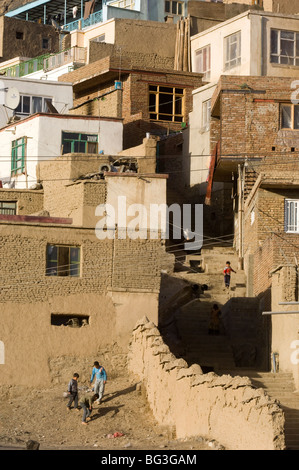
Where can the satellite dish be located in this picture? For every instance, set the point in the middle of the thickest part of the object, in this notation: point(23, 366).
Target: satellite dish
point(12, 98)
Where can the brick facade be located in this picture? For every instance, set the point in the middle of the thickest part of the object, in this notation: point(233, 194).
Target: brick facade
point(97, 79)
point(28, 201)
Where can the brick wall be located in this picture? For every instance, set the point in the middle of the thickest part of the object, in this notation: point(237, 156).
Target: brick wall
point(105, 264)
point(250, 116)
point(135, 95)
point(28, 201)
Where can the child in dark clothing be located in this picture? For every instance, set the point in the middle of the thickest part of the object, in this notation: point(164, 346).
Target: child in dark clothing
point(73, 392)
point(227, 273)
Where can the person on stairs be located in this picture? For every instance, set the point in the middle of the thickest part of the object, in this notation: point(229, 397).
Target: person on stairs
point(214, 327)
point(227, 274)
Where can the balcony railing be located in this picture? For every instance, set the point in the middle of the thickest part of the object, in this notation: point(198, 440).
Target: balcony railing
point(94, 18)
point(75, 54)
point(47, 62)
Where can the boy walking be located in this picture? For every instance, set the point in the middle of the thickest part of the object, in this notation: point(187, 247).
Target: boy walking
point(227, 273)
point(73, 392)
point(99, 373)
point(86, 402)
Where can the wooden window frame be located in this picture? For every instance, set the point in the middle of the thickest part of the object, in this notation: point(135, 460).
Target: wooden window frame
point(53, 263)
point(206, 114)
point(292, 107)
point(200, 62)
point(174, 96)
point(231, 62)
point(79, 140)
point(18, 161)
point(179, 7)
point(276, 56)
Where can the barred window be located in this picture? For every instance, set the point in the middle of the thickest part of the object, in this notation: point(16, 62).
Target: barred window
point(8, 208)
point(292, 215)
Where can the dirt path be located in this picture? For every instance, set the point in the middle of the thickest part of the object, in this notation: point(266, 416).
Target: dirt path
point(41, 415)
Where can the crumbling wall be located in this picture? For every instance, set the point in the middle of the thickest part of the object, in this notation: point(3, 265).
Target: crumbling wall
point(227, 409)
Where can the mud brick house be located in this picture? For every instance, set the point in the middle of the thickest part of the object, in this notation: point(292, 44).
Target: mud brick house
point(68, 291)
point(20, 38)
point(147, 99)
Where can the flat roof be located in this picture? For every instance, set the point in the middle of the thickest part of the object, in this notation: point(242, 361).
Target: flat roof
point(61, 116)
point(243, 15)
point(36, 8)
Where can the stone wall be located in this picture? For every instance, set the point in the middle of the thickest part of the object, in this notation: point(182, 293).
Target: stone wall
point(224, 408)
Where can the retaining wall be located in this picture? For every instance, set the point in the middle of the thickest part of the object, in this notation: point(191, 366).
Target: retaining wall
point(224, 408)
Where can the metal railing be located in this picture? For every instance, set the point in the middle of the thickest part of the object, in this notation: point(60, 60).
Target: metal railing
point(94, 18)
point(75, 54)
point(47, 62)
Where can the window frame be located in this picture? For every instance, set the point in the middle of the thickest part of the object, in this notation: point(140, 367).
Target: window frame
point(293, 107)
point(206, 114)
point(18, 161)
point(278, 47)
point(199, 63)
point(287, 221)
point(31, 100)
point(52, 270)
point(177, 5)
point(74, 141)
point(8, 210)
point(174, 94)
point(228, 46)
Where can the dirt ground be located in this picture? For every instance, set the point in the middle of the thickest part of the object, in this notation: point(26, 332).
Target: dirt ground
point(42, 416)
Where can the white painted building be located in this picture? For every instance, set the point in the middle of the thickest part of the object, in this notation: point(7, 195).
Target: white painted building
point(255, 43)
point(34, 95)
point(45, 136)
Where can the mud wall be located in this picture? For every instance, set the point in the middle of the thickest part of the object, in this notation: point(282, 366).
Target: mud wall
point(227, 409)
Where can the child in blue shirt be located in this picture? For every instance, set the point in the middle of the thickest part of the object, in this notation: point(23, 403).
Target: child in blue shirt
point(99, 373)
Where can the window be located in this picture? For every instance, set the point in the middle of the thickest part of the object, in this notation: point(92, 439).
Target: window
point(124, 4)
point(284, 47)
point(100, 38)
point(175, 8)
point(19, 35)
point(32, 104)
point(166, 103)
point(232, 50)
point(206, 114)
point(73, 142)
point(203, 61)
point(74, 321)
point(8, 208)
point(45, 43)
point(63, 260)
point(289, 116)
point(291, 215)
point(18, 149)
